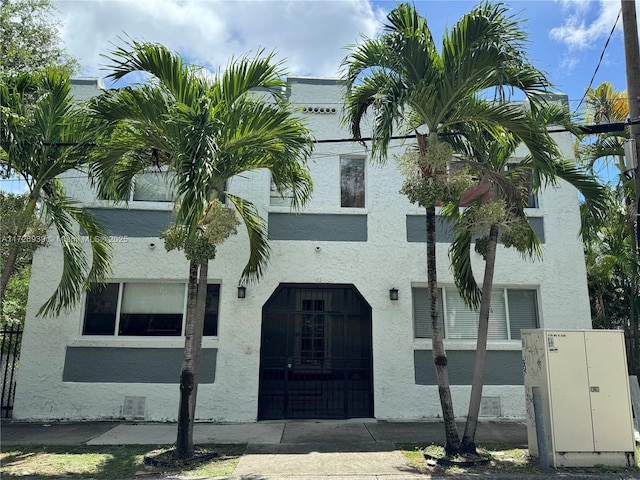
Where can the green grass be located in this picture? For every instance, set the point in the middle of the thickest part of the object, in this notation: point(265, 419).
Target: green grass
point(503, 460)
point(105, 462)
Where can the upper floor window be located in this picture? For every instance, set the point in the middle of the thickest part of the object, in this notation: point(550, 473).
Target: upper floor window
point(153, 187)
point(144, 309)
point(352, 182)
point(531, 197)
point(511, 311)
point(277, 198)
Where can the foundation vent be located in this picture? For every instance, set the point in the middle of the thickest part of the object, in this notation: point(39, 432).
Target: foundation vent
point(490, 407)
point(134, 407)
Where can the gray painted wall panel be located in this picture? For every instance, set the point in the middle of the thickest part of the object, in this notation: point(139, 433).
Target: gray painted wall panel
point(417, 230)
point(134, 223)
point(503, 367)
point(320, 227)
point(132, 365)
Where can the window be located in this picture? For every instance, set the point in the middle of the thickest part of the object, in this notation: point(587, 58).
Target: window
point(277, 198)
point(100, 311)
point(312, 336)
point(511, 311)
point(352, 182)
point(149, 187)
point(144, 309)
point(211, 310)
point(151, 309)
point(153, 187)
point(532, 198)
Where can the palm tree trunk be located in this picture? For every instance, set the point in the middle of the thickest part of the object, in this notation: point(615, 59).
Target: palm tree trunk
point(469, 438)
point(184, 441)
point(8, 269)
point(452, 439)
point(199, 330)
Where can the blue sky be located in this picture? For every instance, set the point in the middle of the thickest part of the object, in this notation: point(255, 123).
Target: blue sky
point(566, 36)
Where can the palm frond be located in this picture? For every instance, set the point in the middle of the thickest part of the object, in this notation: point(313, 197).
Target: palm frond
point(75, 268)
point(258, 239)
point(460, 256)
point(157, 60)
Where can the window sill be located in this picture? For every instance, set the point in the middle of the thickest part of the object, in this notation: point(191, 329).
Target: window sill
point(426, 344)
point(316, 211)
point(137, 342)
point(133, 205)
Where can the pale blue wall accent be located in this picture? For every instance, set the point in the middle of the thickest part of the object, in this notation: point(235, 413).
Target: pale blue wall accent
point(133, 223)
point(417, 230)
point(503, 367)
point(132, 365)
point(320, 227)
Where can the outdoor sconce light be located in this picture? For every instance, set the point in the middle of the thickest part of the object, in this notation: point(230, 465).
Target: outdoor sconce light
point(393, 294)
point(242, 291)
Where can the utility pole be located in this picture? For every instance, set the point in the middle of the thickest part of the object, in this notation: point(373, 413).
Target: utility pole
point(632, 61)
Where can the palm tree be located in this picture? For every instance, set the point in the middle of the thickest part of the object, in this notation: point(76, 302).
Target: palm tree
point(45, 135)
point(605, 104)
point(609, 257)
point(496, 205)
point(402, 77)
point(206, 129)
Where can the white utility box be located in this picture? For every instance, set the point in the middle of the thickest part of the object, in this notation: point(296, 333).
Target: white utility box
point(586, 405)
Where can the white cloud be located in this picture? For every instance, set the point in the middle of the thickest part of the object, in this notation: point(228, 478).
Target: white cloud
point(585, 22)
point(309, 35)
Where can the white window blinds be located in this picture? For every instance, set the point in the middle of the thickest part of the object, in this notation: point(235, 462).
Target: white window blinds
point(153, 298)
point(511, 311)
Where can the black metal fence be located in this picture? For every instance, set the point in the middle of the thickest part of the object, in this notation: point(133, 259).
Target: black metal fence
point(10, 340)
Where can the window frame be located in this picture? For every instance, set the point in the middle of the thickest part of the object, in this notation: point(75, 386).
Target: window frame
point(351, 157)
point(443, 313)
point(118, 312)
point(533, 199)
point(279, 199)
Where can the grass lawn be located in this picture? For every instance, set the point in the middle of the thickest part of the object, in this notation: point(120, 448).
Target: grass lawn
point(504, 460)
point(105, 462)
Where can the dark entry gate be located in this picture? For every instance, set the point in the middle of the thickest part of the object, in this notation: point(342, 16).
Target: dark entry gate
point(10, 340)
point(316, 359)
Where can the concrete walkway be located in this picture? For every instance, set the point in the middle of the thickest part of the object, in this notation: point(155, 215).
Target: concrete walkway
point(304, 449)
point(327, 433)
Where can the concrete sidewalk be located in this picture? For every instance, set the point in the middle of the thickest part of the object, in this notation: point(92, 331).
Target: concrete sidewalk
point(303, 449)
point(328, 434)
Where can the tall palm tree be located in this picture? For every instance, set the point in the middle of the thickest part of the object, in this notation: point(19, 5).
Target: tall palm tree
point(206, 129)
point(606, 104)
point(402, 77)
point(496, 205)
point(44, 135)
point(610, 268)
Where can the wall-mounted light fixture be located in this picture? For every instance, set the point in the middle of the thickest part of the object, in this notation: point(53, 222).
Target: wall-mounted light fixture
point(242, 291)
point(393, 294)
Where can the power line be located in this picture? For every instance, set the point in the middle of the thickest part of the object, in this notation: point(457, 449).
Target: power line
point(600, 60)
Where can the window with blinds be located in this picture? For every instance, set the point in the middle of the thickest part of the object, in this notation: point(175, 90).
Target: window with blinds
point(144, 309)
point(153, 187)
point(511, 311)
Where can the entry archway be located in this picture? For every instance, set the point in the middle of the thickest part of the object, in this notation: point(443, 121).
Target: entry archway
point(316, 353)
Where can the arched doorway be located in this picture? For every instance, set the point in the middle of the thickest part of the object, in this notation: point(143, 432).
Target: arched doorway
point(316, 353)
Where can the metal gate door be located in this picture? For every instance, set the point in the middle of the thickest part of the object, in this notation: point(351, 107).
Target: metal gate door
point(10, 341)
point(315, 359)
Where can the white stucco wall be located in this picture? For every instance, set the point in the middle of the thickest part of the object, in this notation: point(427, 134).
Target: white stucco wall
point(384, 261)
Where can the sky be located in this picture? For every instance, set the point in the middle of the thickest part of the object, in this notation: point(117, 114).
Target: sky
point(566, 37)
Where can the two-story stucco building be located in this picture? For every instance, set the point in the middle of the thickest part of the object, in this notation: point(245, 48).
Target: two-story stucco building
point(320, 336)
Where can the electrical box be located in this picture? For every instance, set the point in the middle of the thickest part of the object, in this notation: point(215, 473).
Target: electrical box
point(630, 155)
point(586, 405)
